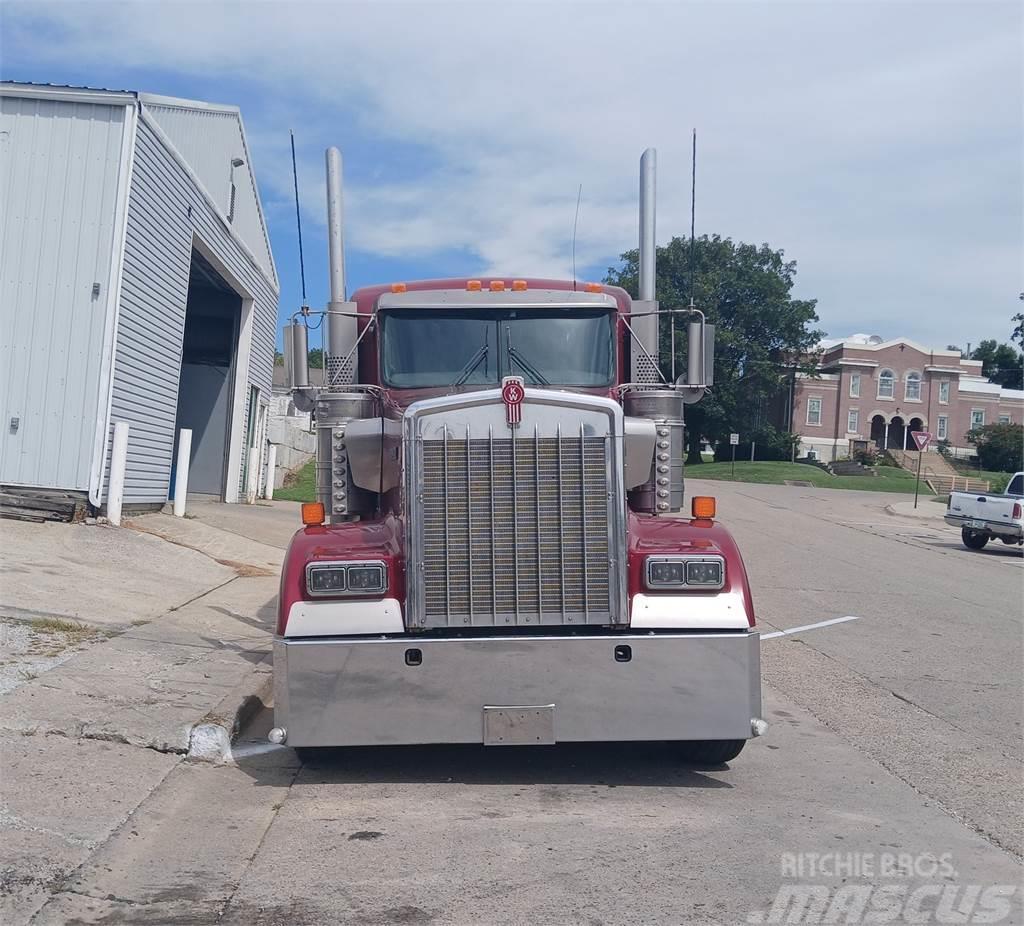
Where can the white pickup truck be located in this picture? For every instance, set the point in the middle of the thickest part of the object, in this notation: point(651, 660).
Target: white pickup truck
point(982, 517)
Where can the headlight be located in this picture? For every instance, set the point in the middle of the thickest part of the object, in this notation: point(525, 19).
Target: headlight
point(335, 580)
point(685, 572)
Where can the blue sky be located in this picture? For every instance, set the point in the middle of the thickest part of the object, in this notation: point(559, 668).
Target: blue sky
point(878, 144)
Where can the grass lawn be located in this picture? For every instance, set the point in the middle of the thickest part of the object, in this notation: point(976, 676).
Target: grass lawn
point(301, 487)
point(889, 478)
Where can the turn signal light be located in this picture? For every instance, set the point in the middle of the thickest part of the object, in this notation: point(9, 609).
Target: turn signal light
point(497, 286)
point(703, 507)
point(398, 287)
point(592, 287)
point(473, 286)
point(519, 286)
point(1016, 509)
point(313, 514)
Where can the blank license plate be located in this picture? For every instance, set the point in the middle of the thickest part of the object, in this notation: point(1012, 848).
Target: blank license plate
point(529, 725)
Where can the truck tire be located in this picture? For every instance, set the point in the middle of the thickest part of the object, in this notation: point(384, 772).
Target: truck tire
point(712, 752)
point(973, 540)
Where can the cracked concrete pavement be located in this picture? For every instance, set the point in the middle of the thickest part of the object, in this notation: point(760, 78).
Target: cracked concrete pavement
point(895, 734)
point(182, 612)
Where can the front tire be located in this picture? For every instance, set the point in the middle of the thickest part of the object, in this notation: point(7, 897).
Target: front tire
point(973, 540)
point(712, 752)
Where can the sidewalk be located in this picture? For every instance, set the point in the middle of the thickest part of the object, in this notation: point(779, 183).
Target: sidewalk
point(174, 651)
point(927, 510)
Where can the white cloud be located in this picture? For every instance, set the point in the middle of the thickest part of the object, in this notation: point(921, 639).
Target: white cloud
point(879, 144)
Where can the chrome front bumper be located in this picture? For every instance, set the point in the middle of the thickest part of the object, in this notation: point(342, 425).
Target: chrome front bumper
point(515, 690)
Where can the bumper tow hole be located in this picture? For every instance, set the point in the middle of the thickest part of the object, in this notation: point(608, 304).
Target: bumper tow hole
point(413, 657)
point(623, 653)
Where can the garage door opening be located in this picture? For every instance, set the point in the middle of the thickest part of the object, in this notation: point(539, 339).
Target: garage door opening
point(208, 358)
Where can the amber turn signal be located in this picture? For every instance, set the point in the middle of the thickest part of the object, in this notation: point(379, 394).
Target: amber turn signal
point(703, 507)
point(313, 514)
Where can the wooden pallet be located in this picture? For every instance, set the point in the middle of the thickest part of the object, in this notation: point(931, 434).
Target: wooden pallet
point(42, 504)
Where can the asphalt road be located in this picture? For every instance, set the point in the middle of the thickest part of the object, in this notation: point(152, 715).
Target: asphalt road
point(889, 784)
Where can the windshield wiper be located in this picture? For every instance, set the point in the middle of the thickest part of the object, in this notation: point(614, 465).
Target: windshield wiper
point(470, 368)
point(527, 367)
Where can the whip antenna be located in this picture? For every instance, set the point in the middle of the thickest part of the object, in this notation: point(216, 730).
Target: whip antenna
point(693, 212)
point(575, 221)
point(298, 220)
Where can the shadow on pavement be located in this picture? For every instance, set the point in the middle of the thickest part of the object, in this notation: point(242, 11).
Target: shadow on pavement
point(599, 764)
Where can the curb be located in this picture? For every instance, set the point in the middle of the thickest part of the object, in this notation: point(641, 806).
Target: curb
point(890, 509)
point(210, 739)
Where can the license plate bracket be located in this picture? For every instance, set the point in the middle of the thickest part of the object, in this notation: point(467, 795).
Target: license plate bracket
point(519, 725)
point(977, 525)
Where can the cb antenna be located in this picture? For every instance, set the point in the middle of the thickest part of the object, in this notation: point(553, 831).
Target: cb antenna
point(575, 221)
point(693, 213)
point(298, 222)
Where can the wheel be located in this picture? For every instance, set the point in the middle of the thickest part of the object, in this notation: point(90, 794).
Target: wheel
point(973, 540)
point(712, 752)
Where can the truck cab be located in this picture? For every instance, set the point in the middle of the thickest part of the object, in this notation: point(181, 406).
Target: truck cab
point(499, 553)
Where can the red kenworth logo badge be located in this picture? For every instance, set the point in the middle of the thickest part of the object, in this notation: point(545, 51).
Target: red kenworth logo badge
point(512, 394)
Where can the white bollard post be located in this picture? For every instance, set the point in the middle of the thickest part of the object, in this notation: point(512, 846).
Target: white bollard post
point(271, 466)
point(118, 458)
point(181, 471)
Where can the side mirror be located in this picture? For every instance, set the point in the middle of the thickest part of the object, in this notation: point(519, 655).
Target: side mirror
point(700, 361)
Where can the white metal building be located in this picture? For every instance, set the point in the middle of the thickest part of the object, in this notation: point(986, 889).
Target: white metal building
point(136, 284)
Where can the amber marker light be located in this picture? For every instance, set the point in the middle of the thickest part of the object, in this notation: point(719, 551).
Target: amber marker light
point(398, 287)
point(313, 514)
point(703, 507)
point(592, 287)
point(519, 286)
point(497, 286)
point(473, 286)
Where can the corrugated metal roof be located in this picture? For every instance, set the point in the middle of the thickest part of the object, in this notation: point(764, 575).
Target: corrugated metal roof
point(34, 83)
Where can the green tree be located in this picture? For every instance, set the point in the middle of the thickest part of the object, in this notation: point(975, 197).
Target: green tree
point(1000, 363)
point(763, 335)
point(316, 359)
point(1000, 446)
point(1018, 332)
point(278, 359)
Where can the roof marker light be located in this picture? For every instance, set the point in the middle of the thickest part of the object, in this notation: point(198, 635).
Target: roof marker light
point(592, 287)
point(519, 286)
point(497, 286)
point(473, 286)
point(398, 287)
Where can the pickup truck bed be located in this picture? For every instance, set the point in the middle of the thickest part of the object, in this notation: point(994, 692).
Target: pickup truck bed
point(985, 517)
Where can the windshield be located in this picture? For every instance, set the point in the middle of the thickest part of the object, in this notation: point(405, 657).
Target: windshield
point(556, 347)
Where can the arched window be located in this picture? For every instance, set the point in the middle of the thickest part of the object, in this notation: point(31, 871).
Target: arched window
point(913, 386)
point(886, 381)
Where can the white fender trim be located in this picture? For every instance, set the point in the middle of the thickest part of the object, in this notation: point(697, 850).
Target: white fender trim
point(688, 612)
point(344, 618)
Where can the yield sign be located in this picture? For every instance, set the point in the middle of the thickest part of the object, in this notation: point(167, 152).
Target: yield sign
point(921, 438)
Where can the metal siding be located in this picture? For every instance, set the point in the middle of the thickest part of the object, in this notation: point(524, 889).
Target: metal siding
point(165, 209)
point(59, 175)
point(208, 140)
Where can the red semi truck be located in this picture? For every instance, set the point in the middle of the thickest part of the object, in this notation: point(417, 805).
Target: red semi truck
point(498, 553)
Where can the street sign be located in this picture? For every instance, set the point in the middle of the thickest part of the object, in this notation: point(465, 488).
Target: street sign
point(734, 439)
point(921, 438)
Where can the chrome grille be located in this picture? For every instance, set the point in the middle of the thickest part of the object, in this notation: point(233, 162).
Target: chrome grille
point(515, 531)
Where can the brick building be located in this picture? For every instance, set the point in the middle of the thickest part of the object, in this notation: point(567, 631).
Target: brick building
point(875, 391)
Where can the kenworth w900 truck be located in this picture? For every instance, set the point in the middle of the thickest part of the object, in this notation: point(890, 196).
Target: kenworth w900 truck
point(498, 554)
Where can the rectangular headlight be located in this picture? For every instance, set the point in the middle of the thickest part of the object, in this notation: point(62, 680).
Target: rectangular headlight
point(346, 579)
point(684, 572)
point(366, 579)
point(704, 572)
